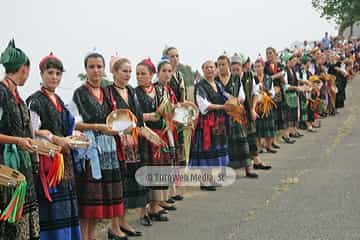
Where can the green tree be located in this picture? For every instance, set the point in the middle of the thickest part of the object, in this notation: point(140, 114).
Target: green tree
point(345, 13)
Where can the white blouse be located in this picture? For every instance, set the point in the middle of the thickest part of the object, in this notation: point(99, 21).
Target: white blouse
point(73, 109)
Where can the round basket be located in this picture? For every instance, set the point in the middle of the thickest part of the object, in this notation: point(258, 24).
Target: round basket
point(185, 113)
point(121, 120)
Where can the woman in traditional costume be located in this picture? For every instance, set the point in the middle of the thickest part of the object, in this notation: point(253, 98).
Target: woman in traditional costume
point(177, 85)
point(53, 122)
point(317, 68)
point(209, 147)
point(150, 98)
point(130, 147)
point(265, 123)
point(291, 89)
point(308, 97)
point(341, 82)
point(165, 73)
point(239, 151)
point(15, 138)
point(275, 70)
point(99, 183)
point(251, 101)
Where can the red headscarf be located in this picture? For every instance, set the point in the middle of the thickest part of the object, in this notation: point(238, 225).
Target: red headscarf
point(45, 59)
point(150, 64)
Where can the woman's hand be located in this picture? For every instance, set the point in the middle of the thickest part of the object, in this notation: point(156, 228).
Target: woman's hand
point(105, 129)
point(25, 144)
point(44, 134)
point(63, 142)
point(77, 133)
point(152, 117)
point(254, 114)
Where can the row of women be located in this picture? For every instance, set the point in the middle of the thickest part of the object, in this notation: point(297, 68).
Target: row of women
point(100, 182)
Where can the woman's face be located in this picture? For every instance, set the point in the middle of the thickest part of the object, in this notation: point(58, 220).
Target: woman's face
point(165, 73)
point(236, 69)
point(51, 78)
point(209, 70)
point(259, 69)
point(123, 74)
point(223, 66)
point(173, 56)
point(95, 69)
point(270, 55)
point(143, 76)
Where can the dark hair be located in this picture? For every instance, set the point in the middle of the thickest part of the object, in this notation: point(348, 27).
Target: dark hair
point(118, 64)
point(235, 63)
point(169, 49)
point(161, 64)
point(224, 57)
point(94, 55)
point(145, 65)
point(52, 63)
point(258, 61)
point(9, 70)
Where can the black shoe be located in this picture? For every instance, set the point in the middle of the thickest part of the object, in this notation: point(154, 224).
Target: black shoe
point(275, 146)
point(270, 150)
point(113, 236)
point(294, 135)
point(261, 151)
point(163, 211)
point(131, 233)
point(169, 208)
point(208, 188)
point(171, 201)
point(299, 134)
point(251, 175)
point(177, 197)
point(146, 221)
point(158, 217)
point(288, 140)
point(261, 166)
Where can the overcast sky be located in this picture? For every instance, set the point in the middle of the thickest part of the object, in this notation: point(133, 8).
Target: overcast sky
point(200, 29)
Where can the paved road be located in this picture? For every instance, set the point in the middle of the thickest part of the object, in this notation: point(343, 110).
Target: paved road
point(313, 192)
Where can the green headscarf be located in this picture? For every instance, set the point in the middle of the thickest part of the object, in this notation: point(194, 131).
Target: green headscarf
point(286, 56)
point(13, 58)
point(305, 58)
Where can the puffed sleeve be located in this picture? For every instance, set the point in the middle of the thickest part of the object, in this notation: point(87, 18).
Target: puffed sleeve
point(34, 107)
point(73, 109)
point(241, 94)
point(255, 88)
point(201, 100)
point(2, 101)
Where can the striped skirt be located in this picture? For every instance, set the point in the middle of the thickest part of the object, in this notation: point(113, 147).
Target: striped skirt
point(239, 151)
point(303, 109)
point(265, 126)
point(102, 198)
point(280, 116)
point(215, 155)
point(59, 219)
point(251, 137)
